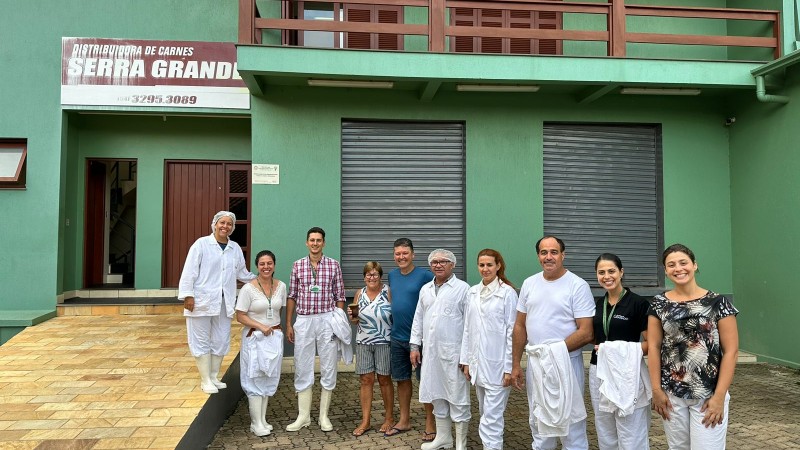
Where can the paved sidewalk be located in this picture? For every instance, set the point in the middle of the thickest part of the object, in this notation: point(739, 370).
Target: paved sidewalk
point(100, 382)
point(765, 414)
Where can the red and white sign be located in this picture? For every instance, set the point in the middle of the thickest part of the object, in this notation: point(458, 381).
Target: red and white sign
point(122, 72)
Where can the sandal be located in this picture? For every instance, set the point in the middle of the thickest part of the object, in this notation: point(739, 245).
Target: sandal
point(428, 437)
point(394, 431)
point(385, 427)
point(360, 431)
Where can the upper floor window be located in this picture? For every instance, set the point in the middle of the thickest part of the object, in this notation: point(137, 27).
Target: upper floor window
point(13, 156)
point(502, 18)
point(345, 12)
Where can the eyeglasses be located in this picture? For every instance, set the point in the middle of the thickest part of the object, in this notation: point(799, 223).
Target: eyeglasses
point(442, 262)
point(372, 275)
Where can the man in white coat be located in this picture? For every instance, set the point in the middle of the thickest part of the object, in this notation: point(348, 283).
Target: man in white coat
point(554, 305)
point(439, 324)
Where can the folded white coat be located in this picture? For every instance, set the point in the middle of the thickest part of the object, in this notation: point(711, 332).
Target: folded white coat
point(624, 380)
point(343, 335)
point(556, 395)
point(268, 351)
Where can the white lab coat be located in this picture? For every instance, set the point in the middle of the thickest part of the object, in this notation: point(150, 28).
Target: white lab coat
point(488, 327)
point(209, 273)
point(439, 326)
point(624, 379)
point(342, 332)
point(557, 398)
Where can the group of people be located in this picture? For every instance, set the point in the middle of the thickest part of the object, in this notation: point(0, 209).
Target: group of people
point(453, 336)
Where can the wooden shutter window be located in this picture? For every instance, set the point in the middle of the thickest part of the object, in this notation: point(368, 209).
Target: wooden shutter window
point(357, 13)
point(492, 18)
point(464, 17)
point(544, 20)
point(521, 19)
point(373, 14)
point(549, 20)
point(389, 14)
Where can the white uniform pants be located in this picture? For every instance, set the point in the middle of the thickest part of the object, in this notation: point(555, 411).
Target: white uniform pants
point(685, 429)
point(209, 334)
point(614, 432)
point(492, 402)
point(458, 413)
point(313, 335)
point(576, 438)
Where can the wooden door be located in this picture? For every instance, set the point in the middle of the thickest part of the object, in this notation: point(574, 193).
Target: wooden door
point(193, 192)
point(94, 224)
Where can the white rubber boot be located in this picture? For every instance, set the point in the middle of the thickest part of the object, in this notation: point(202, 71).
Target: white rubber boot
point(462, 429)
point(204, 367)
point(444, 435)
point(256, 425)
point(216, 363)
point(263, 416)
point(303, 411)
point(324, 404)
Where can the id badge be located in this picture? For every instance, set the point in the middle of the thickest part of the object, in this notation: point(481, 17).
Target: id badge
point(270, 313)
point(314, 288)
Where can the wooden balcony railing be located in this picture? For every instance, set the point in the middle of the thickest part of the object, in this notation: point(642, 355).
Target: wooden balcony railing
point(253, 25)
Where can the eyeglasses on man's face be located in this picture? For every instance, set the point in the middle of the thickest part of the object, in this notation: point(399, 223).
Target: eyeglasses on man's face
point(439, 262)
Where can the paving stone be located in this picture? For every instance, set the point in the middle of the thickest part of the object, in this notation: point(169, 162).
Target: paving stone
point(764, 411)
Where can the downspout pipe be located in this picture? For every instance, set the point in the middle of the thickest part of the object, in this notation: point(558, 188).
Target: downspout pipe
point(779, 65)
point(761, 93)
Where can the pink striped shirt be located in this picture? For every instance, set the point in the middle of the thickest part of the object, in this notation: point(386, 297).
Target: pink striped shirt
point(329, 279)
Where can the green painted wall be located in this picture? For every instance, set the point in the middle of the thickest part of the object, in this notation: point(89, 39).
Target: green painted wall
point(150, 140)
point(30, 32)
point(504, 134)
point(765, 194)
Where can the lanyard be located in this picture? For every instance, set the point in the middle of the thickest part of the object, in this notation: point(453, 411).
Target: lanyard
point(606, 317)
point(313, 270)
point(271, 291)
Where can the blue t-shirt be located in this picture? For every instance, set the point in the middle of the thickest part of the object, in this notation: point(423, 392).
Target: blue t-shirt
point(405, 295)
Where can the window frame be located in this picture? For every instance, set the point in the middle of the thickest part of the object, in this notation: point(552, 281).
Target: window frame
point(18, 181)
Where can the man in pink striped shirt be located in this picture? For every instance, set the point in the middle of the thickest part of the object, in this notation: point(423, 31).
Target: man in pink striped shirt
point(316, 289)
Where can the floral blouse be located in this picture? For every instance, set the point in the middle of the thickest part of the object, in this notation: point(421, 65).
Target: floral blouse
point(690, 351)
point(374, 318)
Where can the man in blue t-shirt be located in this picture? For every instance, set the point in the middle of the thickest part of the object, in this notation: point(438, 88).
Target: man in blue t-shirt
point(405, 283)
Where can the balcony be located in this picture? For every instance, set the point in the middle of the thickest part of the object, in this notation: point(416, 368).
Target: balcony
point(611, 29)
point(584, 48)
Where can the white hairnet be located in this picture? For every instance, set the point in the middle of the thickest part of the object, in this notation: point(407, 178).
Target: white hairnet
point(220, 215)
point(444, 254)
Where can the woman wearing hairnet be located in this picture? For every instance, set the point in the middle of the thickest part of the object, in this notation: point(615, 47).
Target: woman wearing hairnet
point(208, 290)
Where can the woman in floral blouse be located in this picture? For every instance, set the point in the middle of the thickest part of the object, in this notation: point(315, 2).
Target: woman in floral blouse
point(693, 330)
point(373, 354)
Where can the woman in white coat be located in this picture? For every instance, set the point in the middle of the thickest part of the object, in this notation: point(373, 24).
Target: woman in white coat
point(486, 345)
point(208, 290)
point(258, 308)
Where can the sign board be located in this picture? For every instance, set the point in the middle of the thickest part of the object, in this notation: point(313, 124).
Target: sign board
point(175, 74)
point(266, 174)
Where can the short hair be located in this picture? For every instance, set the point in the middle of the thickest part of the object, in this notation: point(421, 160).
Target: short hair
point(373, 265)
point(315, 230)
point(404, 242)
point(550, 236)
point(264, 253)
point(676, 248)
point(609, 257)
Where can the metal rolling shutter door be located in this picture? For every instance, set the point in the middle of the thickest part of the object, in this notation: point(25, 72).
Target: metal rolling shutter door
point(401, 179)
point(602, 193)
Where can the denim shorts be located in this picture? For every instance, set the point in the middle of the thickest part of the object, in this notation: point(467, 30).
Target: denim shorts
point(401, 361)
